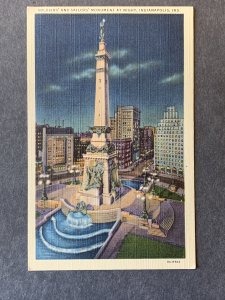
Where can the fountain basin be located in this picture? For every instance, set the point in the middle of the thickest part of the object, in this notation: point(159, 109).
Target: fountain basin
point(78, 220)
point(135, 184)
point(57, 239)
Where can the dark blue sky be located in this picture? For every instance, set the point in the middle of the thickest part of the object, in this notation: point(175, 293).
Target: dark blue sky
point(146, 68)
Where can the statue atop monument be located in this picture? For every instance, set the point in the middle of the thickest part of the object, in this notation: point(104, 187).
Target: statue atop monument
point(102, 30)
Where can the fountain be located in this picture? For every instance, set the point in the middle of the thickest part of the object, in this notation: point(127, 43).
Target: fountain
point(71, 236)
point(78, 220)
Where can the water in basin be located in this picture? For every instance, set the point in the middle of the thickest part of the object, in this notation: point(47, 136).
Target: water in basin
point(78, 220)
point(71, 237)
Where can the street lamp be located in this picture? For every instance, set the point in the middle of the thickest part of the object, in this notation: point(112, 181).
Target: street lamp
point(44, 179)
point(142, 197)
point(144, 189)
point(145, 213)
point(145, 172)
point(74, 169)
point(153, 178)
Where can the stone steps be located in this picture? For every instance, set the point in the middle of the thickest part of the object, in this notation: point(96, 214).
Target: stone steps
point(166, 217)
point(104, 216)
point(156, 232)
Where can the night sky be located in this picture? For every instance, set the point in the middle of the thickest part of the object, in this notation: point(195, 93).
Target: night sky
point(146, 68)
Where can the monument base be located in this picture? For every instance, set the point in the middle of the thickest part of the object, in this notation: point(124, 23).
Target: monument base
point(107, 199)
point(91, 196)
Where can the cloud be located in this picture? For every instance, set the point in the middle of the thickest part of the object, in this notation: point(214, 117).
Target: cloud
point(88, 73)
point(53, 88)
point(84, 56)
point(173, 79)
point(120, 53)
point(115, 70)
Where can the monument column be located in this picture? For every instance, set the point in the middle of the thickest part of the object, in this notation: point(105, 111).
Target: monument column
point(101, 116)
point(101, 154)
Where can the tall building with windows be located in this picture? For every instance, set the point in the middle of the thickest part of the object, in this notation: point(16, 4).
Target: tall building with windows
point(147, 141)
point(48, 130)
point(124, 153)
point(113, 127)
point(59, 151)
point(169, 141)
point(81, 143)
point(39, 141)
point(54, 146)
point(128, 126)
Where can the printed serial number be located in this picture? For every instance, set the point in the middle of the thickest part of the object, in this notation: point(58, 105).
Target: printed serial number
point(173, 261)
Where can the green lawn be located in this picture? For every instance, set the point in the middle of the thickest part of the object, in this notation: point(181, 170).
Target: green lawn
point(164, 193)
point(139, 247)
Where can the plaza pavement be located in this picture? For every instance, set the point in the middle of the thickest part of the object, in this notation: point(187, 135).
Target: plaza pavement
point(49, 189)
point(71, 193)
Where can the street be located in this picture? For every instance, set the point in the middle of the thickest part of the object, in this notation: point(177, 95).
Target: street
point(138, 169)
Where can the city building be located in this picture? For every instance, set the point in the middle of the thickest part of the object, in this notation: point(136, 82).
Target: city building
point(77, 151)
point(168, 148)
point(81, 143)
point(39, 141)
point(113, 127)
point(48, 130)
point(147, 141)
point(54, 147)
point(124, 152)
point(59, 151)
point(127, 119)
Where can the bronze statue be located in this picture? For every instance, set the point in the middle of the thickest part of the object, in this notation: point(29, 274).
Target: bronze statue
point(102, 33)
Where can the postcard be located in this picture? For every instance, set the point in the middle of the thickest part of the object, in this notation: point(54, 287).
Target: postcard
point(110, 138)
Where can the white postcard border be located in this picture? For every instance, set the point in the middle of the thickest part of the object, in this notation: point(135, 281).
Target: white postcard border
point(189, 262)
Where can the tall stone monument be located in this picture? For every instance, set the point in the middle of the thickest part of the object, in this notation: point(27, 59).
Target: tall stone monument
point(100, 176)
